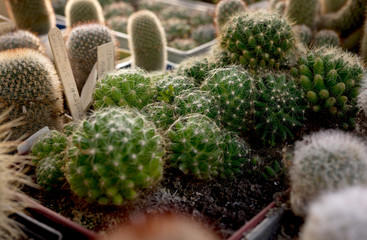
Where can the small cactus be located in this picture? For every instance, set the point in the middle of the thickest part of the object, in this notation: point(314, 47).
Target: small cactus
point(135, 156)
point(83, 11)
point(325, 161)
point(147, 41)
point(118, 9)
point(226, 9)
point(327, 38)
point(302, 12)
point(178, 83)
point(161, 113)
point(204, 33)
point(20, 39)
point(304, 34)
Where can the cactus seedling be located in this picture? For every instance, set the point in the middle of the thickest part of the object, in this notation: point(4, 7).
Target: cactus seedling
point(83, 11)
point(226, 9)
point(19, 39)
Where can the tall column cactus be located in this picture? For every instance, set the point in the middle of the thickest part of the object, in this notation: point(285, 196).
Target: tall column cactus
point(83, 11)
point(147, 41)
point(302, 12)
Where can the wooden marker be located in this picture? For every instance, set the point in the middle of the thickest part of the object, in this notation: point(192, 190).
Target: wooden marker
point(88, 88)
point(66, 74)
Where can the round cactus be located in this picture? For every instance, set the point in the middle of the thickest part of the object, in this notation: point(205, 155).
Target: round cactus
point(176, 28)
point(176, 83)
point(258, 39)
point(327, 38)
point(134, 162)
point(83, 11)
point(161, 113)
point(183, 44)
point(338, 216)
point(20, 39)
point(204, 34)
point(302, 12)
point(49, 172)
point(226, 9)
point(118, 9)
point(118, 24)
point(330, 79)
point(325, 161)
point(304, 34)
point(125, 87)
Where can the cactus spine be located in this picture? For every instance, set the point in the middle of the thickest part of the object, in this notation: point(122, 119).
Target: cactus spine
point(83, 11)
point(302, 12)
point(226, 9)
point(20, 39)
point(147, 41)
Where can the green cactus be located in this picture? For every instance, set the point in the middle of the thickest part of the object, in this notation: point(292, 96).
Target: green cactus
point(325, 161)
point(327, 38)
point(233, 91)
point(204, 34)
point(329, 6)
point(304, 34)
point(302, 12)
point(118, 24)
point(34, 15)
point(226, 9)
point(20, 39)
point(258, 39)
point(161, 113)
point(83, 11)
point(118, 9)
point(30, 83)
point(176, 28)
point(330, 79)
point(178, 83)
point(147, 41)
point(125, 87)
point(50, 173)
point(81, 44)
point(183, 44)
point(198, 18)
point(348, 19)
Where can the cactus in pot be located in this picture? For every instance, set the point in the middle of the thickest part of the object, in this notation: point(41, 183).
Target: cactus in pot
point(226, 9)
point(83, 11)
point(302, 12)
point(20, 39)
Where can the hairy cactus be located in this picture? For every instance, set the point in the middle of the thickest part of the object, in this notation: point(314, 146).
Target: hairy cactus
point(183, 44)
point(328, 6)
point(147, 41)
point(258, 39)
point(304, 34)
point(331, 79)
point(338, 216)
point(161, 113)
point(176, 28)
point(134, 162)
point(118, 9)
point(279, 108)
point(348, 19)
point(125, 87)
point(302, 12)
point(81, 44)
point(226, 9)
point(118, 24)
point(232, 88)
point(30, 83)
point(20, 39)
point(198, 18)
point(34, 15)
point(327, 38)
point(204, 34)
point(325, 161)
point(83, 11)
point(50, 173)
point(177, 83)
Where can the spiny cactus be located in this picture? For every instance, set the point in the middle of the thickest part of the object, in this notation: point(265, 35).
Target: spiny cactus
point(338, 216)
point(330, 79)
point(125, 87)
point(118, 9)
point(348, 19)
point(226, 9)
point(258, 39)
point(233, 91)
point(51, 144)
point(83, 11)
point(81, 44)
point(327, 38)
point(30, 83)
point(50, 173)
point(20, 39)
point(183, 44)
point(198, 18)
point(302, 12)
point(134, 162)
point(279, 108)
point(329, 6)
point(161, 113)
point(147, 41)
point(325, 161)
point(178, 84)
point(34, 15)
point(118, 24)
point(204, 33)
point(304, 34)
point(176, 28)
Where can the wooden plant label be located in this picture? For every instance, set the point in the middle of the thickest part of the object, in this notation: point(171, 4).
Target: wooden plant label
point(26, 146)
point(106, 58)
point(66, 74)
point(87, 91)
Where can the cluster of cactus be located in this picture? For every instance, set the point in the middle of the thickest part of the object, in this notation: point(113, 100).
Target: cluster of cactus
point(20, 39)
point(118, 9)
point(302, 12)
point(134, 151)
point(331, 79)
point(83, 11)
point(81, 44)
point(325, 161)
point(327, 38)
point(29, 82)
point(204, 33)
point(226, 9)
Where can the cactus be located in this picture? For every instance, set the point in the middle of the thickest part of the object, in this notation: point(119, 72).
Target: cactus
point(125, 87)
point(197, 19)
point(233, 91)
point(50, 173)
point(118, 24)
point(348, 19)
point(30, 83)
point(176, 28)
point(304, 34)
point(329, 6)
point(175, 12)
point(279, 108)
point(83, 11)
point(226, 9)
point(178, 83)
point(161, 113)
point(325, 161)
point(134, 162)
point(331, 79)
point(183, 44)
point(34, 15)
point(338, 216)
point(147, 41)
point(151, 5)
point(20, 39)
point(204, 34)
point(81, 44)
point(327, 38)
point(118, 9)
point(302, 12)
point(258, 39)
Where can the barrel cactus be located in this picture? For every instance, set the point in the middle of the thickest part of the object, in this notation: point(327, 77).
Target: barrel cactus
point(135, 156)
point(226, 9)
point(20, 39)
point(327, 38)
point(83, 11)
